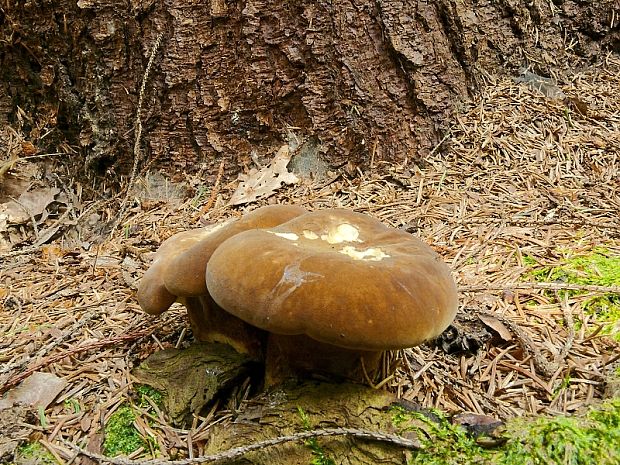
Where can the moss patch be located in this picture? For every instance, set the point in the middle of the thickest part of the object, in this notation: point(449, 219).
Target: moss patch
point(443, 443)
point(591, 438)
point(147, 392)
point(600, 267)
point(121, 436)
point(33, 454)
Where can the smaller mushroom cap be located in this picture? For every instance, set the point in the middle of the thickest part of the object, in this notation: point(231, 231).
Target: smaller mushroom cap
point(337, 276)
point(178, 269)
point(153, 296)
point(185, 272)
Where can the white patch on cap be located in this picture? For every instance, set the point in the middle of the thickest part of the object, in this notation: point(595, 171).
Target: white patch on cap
point(210, 229)
point(342, 233)
point(372, 254)
point(288, 236)
point(292, 279)
point(310, 235)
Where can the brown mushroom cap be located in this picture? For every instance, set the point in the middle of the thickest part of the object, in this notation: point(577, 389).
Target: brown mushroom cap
point(185, 272)
point(178, 274)
point(339, 277)
point(153, 296)
point(178, 269)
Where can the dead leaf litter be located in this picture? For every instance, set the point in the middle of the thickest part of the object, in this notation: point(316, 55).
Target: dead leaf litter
point(519, 177)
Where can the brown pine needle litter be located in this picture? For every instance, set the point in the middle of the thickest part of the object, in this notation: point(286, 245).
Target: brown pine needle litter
point(518, 178)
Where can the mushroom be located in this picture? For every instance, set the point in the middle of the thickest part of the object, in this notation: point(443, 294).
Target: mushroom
point(178, 274)
point(333, 287)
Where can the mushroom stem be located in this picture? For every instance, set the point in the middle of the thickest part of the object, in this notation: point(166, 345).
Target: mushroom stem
point(210, 323)
point(299, 355)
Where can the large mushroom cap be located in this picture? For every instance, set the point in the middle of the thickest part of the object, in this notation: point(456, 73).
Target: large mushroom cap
point(339, 277)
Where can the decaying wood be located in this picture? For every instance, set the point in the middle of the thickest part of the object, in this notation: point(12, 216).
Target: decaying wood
point(189, 379)
point(238, 452)
point(287, 408)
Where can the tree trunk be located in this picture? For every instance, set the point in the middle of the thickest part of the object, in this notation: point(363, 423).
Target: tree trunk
point(364, 80)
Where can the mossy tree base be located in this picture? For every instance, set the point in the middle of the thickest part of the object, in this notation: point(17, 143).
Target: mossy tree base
point(295, 407)
point(190, 378)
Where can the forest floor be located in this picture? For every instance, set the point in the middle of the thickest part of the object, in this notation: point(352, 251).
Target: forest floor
point(521, 199)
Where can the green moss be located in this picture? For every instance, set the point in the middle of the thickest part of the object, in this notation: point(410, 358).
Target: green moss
point(600, 267)
point(318, 453)
point(529, 261)
point(121, 436)
point(591, 438)
point(145, 391)
point(443, 443)
point(34, 453)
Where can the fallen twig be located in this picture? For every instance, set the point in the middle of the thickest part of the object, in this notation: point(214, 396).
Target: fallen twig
point(214, 192)
point(541, 364)
point(532, 222)
point(55, 342)
point(137, 156)
point(545, 286)
point(570, 327)
point(16, 379)
point(17, 253)
point(236, 452)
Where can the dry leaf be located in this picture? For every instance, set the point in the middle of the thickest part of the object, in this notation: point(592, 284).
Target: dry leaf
point(28, 149)
point(260, 184)
point(29, 204)
point(94, 445)
point(51, 253)
point(496, 326)
point(38, 390)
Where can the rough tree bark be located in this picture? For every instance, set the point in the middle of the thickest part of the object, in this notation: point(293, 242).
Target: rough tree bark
point(363, 78)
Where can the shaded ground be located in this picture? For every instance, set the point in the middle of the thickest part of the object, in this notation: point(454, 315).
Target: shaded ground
point(521, 183)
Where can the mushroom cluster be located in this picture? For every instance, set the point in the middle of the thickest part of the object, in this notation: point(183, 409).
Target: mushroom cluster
point(321, 292)
point(177, 274)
